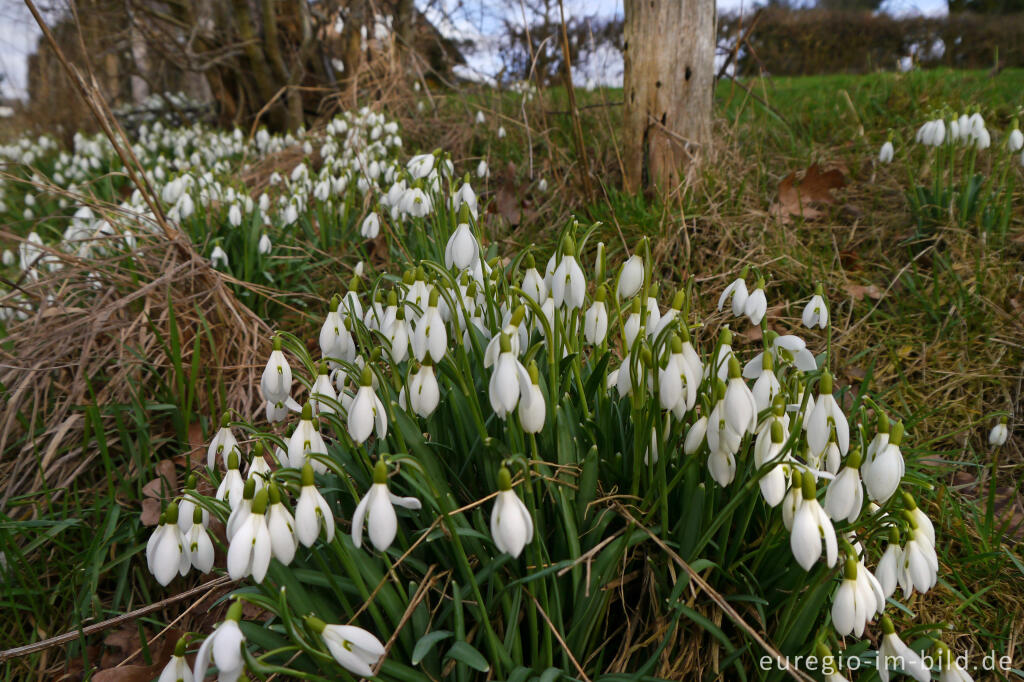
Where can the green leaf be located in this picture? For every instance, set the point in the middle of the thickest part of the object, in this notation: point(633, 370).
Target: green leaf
point(463, 652)
point(426, 643)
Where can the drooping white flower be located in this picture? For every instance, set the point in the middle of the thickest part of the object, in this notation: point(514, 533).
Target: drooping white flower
point(276, 381)
point(370, 227)
point(511, 523)
point(366, 411)
point(235, 215)
point(740, 409)
point(177, 669)
point(231, 486)
point(223, 443)
point(950, 668)
point(773, 483)
point(322, 393)
point(844, 497)
point(767, 386)
point(825, 416)
point(312, 513)
point(167, 551)
point(355, 649)
point(1000, 432)
point(888, 569)
point(532, 408)
point(465, 195)
point(852, 606)
point(893, 654)
point(737, 291)
point(812, 527)
point(241, 510)
point(281, 526)
point(756, 304)
point(420, 166)
point(501, 132)
point(533, 284)
point(568, 285)
point(430, 336)
point(631, 277)
point(223, 648)
point(306, 440)
point(480, 117)
point(462, 250)
point(424, 393)
point(218, 257)
point(265, 246)
point(816, 311)
point(885, 154)
point(508, 380)
point(377, 511)
point(919, 564)
point(249, 549)
point(695, 436)
point(886, 468)
point(197, 540)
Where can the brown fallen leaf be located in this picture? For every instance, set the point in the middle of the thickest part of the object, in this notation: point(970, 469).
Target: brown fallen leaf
point(797, 197)
point(164, 486)
point(858, 291)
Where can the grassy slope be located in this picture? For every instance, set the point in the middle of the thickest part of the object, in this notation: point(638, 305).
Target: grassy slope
point(945, 333)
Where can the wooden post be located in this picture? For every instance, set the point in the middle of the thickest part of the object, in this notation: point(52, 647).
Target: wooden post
point(669, 52)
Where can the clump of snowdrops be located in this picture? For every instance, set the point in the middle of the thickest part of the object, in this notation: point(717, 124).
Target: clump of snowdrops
point(960, 174)
point(464, 468)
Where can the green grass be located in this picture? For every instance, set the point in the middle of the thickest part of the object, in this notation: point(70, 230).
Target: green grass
point(943, 347)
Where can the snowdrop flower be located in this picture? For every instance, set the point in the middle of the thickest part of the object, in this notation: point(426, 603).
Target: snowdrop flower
point(481, 169)
point(306, 440)
point(919, 565)
point(886, 153)
point(415, 203)
point(631, 277)
point(757, 304)
point(355, 649)
point(740, 409)
point(377, 511)
point(322, 393)
point(264, 247)
point(826, 415)
point(312, 513)
point(767, 386)
point(950, 669)
point(335, 339)
point(508, 380)
point(424, 394)
point(396, 331)
point(462, 250)
point(218, 258)
point(465, 195)
point(532, 409)
point(501, 132)
point(366, 411)
point(816, 312)
point(1015, 141)
point(811, 526)
point(595, 321)
point(892, 652)
point(787, 349)
point(773, 483)
point(542, 185)
point(420, 166)
point(853, 605)
point(167, 551)
point(511, 524)
point(888, 568)
point(999, 433)
point(844, 497)
point(276, 381)
point(480, 117)
point(249, 549)
point(631, 328)
point(8, 258)
point(223, 443)
point(188, 505)
point(430, 336)
point(370, 227)
point(886, 469)
point(224, 648)
point(231, 486)
point(533, 284)
point(568, 285)
point(281, 526)
point(240, 512)
point(695, 436)
point(737, 291)
point(719, 365)
point(177, 669)
point(197, 540)
point(234, 215)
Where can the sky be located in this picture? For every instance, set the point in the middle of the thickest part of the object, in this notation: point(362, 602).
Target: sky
point(18, 31)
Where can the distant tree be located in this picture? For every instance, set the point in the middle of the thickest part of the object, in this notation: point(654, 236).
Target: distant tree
point(986, 6)
point(850, 5)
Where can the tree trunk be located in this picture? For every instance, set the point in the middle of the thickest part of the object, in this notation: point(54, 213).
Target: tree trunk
point(669, 52)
